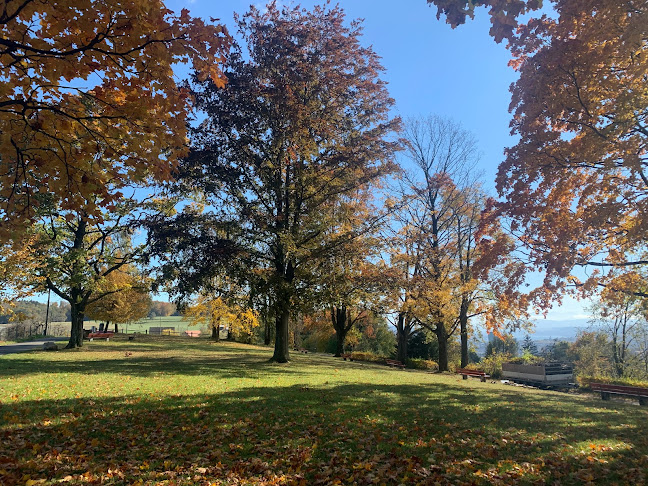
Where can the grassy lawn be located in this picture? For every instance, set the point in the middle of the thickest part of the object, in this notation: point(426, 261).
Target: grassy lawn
point(141, 326)
point(181, 411)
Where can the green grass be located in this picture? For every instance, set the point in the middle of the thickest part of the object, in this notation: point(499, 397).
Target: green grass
point(141, 326)
point(186, 411)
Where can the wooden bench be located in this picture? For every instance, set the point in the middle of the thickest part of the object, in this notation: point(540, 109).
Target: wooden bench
point(347, 356)
point(465, 373)
point(394, 363)
point(629, 391)
point(100, 335)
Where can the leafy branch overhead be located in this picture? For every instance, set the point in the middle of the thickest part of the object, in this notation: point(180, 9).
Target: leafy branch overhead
point(504, 14)
point(88, 99)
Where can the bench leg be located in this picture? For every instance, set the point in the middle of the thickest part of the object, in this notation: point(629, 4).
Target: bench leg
point(643, 401)
point(465, 377)
point(482, 379)
point(605, 396)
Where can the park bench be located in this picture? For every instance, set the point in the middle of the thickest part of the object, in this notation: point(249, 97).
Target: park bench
point(394, 363)
point(100, 335)
point(347, 356)
point(629, 391)
point(465, 373)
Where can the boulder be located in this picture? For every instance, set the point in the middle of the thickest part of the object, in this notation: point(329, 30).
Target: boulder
point(50, 346)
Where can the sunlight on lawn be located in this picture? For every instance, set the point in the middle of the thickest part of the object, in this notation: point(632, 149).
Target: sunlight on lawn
point(191, 412)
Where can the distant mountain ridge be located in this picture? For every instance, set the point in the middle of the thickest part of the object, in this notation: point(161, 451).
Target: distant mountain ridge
point(565, 329)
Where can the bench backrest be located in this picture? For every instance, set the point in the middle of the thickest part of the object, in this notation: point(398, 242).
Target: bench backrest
point(620, 389)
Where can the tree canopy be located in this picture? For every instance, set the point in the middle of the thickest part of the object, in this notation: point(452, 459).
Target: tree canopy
point(575, 184)
point(303, 121)
point(88, 99)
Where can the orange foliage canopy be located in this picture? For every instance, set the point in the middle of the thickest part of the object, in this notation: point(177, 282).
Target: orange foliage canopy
point(576, 183)
point(88, 98)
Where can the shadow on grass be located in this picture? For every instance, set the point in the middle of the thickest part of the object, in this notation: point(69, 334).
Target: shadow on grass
point(302, 434)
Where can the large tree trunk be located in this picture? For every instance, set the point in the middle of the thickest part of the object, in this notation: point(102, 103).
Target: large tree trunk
point(442, 338)
point(282, 347)
point(267, 333)
point(76, 330)
point(215, 333)
point(339, 320)
point(402, 335)
point(339, 343)
point(463, 329)
point(282, 309)
point(116, 327)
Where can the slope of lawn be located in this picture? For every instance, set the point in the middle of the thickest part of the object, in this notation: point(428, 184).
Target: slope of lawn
point(181, 411)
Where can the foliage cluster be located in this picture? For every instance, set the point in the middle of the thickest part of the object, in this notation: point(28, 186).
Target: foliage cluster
point(492, 364)
point(422, 364)
point(89, 110)
point(162, 309)
point(367, 356)
point(36, 311)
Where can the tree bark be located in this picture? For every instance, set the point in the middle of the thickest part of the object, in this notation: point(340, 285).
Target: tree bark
point(76, 330)
point(442, 338)
point(402, 336)
point(267, 333)
point(215, 332)
point(339, 343)
point(463, 330)
point(116, 327)
point(339, 320)
point(282, 348)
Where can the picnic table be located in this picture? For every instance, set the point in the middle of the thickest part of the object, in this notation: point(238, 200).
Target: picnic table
point(100, 335)
point(394, 363)
point(465, 373)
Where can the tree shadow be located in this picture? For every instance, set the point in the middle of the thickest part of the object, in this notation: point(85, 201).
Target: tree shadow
point(319, 434)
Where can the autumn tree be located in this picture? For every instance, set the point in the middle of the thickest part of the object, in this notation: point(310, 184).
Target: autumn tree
point(303, 121)
point(89, 101)
point(217, 312)
point(126, 298)
point(590, 354)
point(161, 309)
point(574, 185)
point(75, 255)
point(352, 276)
point(506, 344)
point(438, 228)
point(622, 317)
point(17, 267)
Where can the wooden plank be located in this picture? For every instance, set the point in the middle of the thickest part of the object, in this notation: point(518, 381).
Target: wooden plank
point(634, 391)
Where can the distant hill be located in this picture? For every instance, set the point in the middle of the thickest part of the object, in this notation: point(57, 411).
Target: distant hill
point(545, 332)
point(566, 329)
